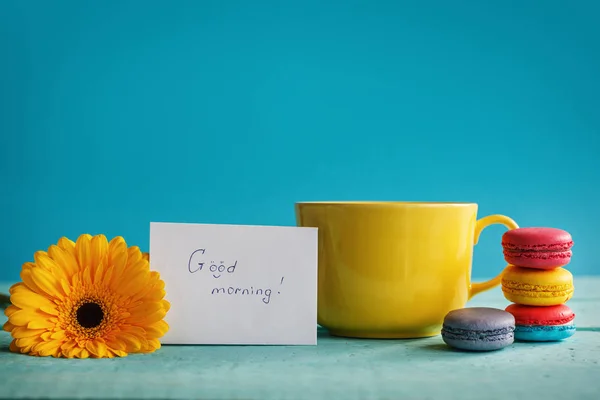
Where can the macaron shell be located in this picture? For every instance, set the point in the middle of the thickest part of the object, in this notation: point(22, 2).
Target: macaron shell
point(537, 287)
point(480, 345)
point(552, 315)
point(478, 329)
point(544, 248)
point(552, 333)
point(541, 260)
point(537, 239)
point(536, 301)
point(479, 319)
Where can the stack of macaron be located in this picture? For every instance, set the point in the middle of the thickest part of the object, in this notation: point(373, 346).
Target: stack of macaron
point(537, 283)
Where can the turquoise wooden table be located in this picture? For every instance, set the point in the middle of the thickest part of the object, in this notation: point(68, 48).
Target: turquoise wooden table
point(338, 368)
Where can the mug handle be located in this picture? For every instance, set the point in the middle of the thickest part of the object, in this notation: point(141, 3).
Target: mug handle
point(480, 225)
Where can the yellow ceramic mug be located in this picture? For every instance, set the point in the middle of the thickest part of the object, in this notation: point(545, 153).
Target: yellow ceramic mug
point(394, 269)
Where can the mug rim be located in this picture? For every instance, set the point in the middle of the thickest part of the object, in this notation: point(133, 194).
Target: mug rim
point(387, 203)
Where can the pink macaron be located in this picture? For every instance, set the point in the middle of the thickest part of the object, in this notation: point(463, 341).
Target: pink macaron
point(541, 248)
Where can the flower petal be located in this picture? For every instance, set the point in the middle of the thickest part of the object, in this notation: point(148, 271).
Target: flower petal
point(72, 352)
point(153, 345)
point(117, 245)
point(43, 260)
point(47, 282)
point(98, 274)
point(148, 319)
point(119, 263)
point(76, 280)
point(48, 348)
point(132, 284)
point(98, 252)
point(87, 276)
point(153, 288)
point(25, 298)
point(51, 310)
point(27, 277)
point(24, 332)
point(115, 344)
point(116, 248)
point(157, 329)
point(41, 323)
point(67, 245)
point(10, 310)
point(134, 330)
point(25, 344)
point(133, 255)
point(96, 348)
point(24, 317)
point(144, 310)
point(59, 335)
point(107, 275)
point(83, 251)
point(65, 259)
point(132, 343)
point(13, 346)
point(117, 259)
point(166, 305)
point(20, 288)
point(83, 354)
point(119, 353)
point(17, 286)
point(155, 295)
point(8, 326)
point(68, 345)
point(65, 286)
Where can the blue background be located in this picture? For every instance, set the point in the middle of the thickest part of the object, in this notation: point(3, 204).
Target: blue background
point(117, 113)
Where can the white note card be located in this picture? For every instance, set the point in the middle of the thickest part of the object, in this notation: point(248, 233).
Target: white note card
point(237, 284)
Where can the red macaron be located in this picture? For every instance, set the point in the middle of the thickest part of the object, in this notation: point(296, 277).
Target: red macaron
point(532, 315)
point(541, 248)
point(542, 324)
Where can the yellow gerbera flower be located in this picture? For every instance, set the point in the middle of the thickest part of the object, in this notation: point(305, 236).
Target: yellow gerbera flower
point(91, 298)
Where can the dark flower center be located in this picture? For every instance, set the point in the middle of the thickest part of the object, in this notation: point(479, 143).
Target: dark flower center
point(90, 315)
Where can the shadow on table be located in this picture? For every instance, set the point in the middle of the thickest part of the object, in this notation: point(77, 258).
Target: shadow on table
point(441, 348)
point(323, 333)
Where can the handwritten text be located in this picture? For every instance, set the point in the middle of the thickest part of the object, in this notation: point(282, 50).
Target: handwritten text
point(198, 261)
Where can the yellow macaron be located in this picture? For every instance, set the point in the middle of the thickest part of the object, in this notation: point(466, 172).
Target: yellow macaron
point(535, 287)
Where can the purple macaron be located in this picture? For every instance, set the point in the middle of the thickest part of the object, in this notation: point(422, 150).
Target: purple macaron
point(478, 329)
